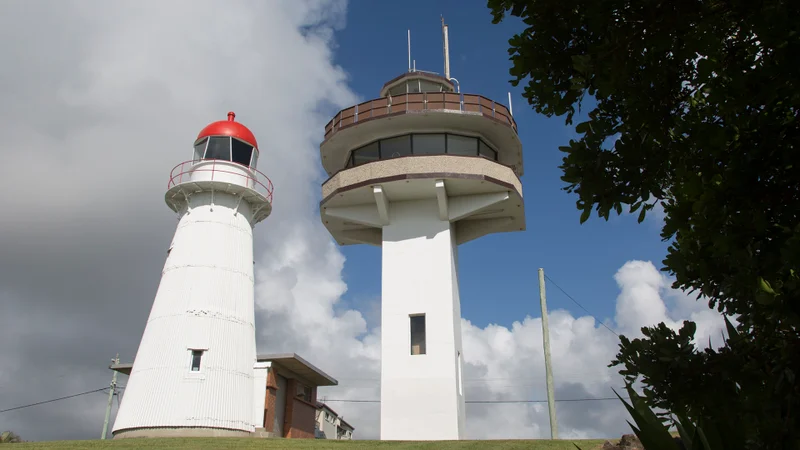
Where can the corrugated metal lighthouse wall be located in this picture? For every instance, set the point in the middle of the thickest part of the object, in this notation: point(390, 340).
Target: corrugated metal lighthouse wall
point(204, 302)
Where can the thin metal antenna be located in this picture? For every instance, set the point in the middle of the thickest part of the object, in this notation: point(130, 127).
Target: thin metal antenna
point(446, 50)
point(510, 108)
point(409, 50)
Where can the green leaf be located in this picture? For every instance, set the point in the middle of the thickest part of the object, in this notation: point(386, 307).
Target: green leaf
point(585, 215)
point(765, 286)
point(583, 127)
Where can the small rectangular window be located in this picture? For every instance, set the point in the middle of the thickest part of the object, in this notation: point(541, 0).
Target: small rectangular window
point(462, 145)
point(219, 148)
point(396, 147)
point(255, 158)
point(365, 154)
point(487, 152)
point(197, 355)
point(418, 334)
point(241, 152)
point(303, 392)
point(428, 144)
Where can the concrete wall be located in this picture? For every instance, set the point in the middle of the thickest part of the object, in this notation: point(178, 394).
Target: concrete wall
point(419, 393)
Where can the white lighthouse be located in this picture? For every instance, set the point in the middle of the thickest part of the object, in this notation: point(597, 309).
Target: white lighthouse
point(418, 171)
point(194, 371)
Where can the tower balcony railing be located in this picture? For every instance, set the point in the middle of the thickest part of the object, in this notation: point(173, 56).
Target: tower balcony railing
point(221, 171)
point(417, 103)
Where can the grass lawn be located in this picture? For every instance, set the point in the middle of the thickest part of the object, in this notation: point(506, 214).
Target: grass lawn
point(251, 443)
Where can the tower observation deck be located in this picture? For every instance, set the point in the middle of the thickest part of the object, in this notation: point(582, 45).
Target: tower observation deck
point(418, 171)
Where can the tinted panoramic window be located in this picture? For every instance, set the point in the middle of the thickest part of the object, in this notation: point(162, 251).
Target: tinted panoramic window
point(487, 152)
point(396, 147)
point(428, 144)
point(241, 152)
point(421, 144)
point(219, 148)
point(462, 145)
point(430, 86)
point(398, 90)
point(366, 154)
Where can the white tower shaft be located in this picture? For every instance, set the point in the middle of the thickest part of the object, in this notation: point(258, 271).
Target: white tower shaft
point(420, 392)
point(204, 304)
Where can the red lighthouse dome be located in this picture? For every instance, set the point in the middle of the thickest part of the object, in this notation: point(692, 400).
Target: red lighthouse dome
point(229, 128)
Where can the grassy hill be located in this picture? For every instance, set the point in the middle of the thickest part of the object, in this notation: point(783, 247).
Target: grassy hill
point(302, 444)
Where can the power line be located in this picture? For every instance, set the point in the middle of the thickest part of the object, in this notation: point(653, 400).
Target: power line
point(51, 401)
point(579, 305)
point(492, 401)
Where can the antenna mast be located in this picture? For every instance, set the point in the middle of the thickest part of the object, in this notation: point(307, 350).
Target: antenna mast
point(446, 50)
point(409, 50)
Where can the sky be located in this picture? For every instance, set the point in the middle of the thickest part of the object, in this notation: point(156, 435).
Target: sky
point(100, 102)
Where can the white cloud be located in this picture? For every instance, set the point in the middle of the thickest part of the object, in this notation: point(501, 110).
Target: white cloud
point(502, 364)
point(101, 101)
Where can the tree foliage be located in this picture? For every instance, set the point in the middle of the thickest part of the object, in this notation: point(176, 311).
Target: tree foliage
point(9, 437)
point(693, 109)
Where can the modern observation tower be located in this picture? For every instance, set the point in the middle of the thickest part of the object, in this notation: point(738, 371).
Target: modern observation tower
point(418, 171)
point(195, 370)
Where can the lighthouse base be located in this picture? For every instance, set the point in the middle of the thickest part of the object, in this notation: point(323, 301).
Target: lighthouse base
point(422, 397)
point(163, 432)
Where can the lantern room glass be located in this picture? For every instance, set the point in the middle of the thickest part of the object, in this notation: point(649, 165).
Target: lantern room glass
point(225, 148)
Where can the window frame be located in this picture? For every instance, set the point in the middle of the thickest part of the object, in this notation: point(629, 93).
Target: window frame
point(252, 149)
point(351, 163)
point(203, 141)
point(196, 352)
point(230, 149)
point(423, 348)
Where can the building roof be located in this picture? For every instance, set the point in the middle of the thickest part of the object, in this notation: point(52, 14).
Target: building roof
point(321, 405)
point(229, 128)
point(299, 366)
point(435, 77)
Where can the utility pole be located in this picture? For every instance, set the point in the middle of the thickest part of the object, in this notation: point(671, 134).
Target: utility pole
point(111, 393)
point(548, 368)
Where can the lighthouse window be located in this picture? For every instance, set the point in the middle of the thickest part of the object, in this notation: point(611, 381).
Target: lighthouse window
point(219, 148)
point(197, 355)
point(255, 158)
point(241, 152)
point(418, 334)
point(199, 149)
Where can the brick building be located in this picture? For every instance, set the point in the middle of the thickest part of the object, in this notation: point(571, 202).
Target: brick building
point(290, 395)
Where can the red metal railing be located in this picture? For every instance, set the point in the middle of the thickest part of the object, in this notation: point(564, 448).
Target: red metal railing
point(423, 101)
point(182, 173)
